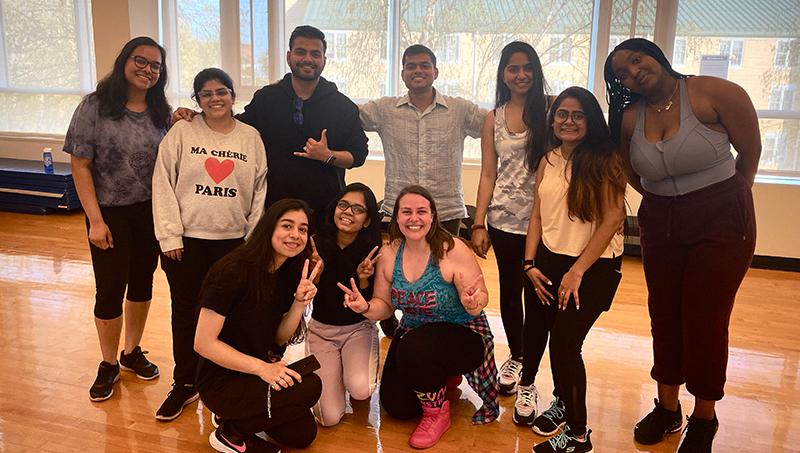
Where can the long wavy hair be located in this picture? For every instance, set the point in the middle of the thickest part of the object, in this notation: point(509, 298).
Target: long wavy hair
point(618, 96)
point(595, 161)
point(251, 264)
point(439, 239)
point(370, 235)
point(112, 91)
point(535, 113)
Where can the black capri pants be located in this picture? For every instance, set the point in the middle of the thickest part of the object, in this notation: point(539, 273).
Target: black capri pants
point(129, 264)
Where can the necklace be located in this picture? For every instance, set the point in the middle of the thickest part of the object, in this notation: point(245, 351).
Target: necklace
point(669, 101)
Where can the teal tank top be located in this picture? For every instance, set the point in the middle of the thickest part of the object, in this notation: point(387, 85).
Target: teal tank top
point(429, 299)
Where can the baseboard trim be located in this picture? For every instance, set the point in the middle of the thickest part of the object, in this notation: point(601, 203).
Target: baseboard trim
point(773, 263)
point(776, 263)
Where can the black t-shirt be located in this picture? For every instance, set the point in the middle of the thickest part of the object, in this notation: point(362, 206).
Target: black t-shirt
point(340, 266)
point(249, 327)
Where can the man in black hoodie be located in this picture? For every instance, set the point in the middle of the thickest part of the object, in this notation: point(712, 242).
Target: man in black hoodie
point(311, 131)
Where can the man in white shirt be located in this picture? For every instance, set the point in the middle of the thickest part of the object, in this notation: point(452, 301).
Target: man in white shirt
point(423, 136)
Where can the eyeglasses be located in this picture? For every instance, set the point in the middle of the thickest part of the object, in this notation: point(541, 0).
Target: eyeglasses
point(357, 208)
point(577, 117)
point(221, 93)
point(298, 119)
point(141, 63)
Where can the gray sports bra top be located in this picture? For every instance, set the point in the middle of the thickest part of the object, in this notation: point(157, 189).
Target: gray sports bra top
point(693, 158)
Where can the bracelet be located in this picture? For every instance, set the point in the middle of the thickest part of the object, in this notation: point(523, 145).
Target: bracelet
point(478, 227)
point(331, 159)
point(528, 265)
point(368, 307)
point(527, 268)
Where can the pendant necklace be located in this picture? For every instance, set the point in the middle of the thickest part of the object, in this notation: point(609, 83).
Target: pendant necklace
point(669, 101)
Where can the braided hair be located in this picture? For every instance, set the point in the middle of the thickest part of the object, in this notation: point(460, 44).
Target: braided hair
point(617, 95)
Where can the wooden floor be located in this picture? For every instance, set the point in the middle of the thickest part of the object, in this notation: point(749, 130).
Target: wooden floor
point(49, 355)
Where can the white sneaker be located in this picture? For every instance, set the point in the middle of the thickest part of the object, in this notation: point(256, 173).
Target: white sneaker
point(526, 405)
point(509, 375)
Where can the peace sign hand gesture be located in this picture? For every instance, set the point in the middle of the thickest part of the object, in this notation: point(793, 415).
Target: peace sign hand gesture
point(472, 295)
point(316, 260)
point(353, 298)
point(367, 267)
point(305, 289)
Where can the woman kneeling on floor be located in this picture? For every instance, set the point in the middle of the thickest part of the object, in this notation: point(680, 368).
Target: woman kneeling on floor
point(251, 307)
point(437, 283)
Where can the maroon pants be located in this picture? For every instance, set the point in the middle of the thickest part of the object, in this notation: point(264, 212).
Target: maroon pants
point(696, 249)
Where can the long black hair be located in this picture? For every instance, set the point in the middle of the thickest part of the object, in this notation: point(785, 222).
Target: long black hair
point(437, 236)
point(251, 265)
point(112, 91)
point(370, 235)
point(535, 113)
point(618, 96)
point(595, 161)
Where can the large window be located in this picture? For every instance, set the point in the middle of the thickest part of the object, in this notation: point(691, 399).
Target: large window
point(47, 63)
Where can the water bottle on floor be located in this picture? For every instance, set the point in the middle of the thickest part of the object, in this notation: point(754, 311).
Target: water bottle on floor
point(48, 160)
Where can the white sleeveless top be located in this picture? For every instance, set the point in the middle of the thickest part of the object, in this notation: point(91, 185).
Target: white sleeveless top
point(561, 234)
point(512, 198)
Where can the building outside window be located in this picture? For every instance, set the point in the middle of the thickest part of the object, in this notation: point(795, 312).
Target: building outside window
point(781, 97)
point(787, 53)
point(337, 45)
point(46, 65)
point(560, 52)
point(679, 52)
point(735, 49)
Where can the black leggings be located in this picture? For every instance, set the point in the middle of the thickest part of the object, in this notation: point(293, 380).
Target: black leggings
point(185, 280)
point(528, 341)
point(242, 398)
point(421, 359)
point(130, 264)
point(568, 328)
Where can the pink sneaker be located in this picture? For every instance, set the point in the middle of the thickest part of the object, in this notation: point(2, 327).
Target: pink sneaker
point(453, 381)
point(435, 421)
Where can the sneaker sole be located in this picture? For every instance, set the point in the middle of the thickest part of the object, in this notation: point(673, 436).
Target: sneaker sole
point(542, 433)
point(103, 398)
point(146, 378)
point(219, 446)
point(672, 430)
point(169, 418)
point(424, 446)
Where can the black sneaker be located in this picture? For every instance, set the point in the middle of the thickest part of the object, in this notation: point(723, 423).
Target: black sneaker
point(138, 363)
point(178, 397)
point(699, 435)
point(389, 325)
point(657, 424)
point(551, 420)
point(103, 387)
point(227, 443)
point(565, 442)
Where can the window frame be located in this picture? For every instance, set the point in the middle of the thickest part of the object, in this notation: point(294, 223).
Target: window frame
point(737, 62)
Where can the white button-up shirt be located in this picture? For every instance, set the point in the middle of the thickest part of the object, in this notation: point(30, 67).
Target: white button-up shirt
point(424, 148)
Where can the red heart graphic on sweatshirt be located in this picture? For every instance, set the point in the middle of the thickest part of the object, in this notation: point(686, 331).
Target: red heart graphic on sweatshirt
point(219, 170)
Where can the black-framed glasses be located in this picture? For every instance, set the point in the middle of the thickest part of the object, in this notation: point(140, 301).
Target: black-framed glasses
point(577, 117)
point(142, 62)
point(220, 92)
point(357, 208)
point(298, 115)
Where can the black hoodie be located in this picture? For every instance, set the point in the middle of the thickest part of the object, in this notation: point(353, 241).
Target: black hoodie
point(272, 112)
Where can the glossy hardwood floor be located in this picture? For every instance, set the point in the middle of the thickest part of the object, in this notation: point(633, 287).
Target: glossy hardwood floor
point(49, 355)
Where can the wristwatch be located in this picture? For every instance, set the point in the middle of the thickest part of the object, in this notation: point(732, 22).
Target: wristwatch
point(528, 265)
point(331, 159)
